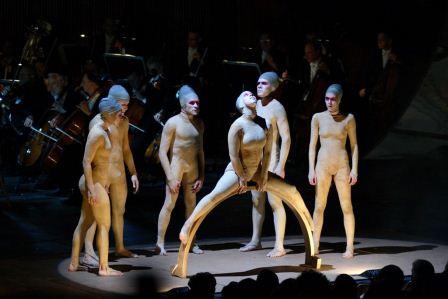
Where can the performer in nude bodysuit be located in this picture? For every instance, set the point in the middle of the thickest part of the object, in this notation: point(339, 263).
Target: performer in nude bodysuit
point(118, 189)
point(101, 164)
point(332, 128)
point(250, 143)
point(182, 137)
point(275, 115)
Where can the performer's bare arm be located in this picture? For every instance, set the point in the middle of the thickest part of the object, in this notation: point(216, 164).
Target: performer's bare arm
point(167, 138)
point(94, 141)
point(266, 159)
point(283, 130)
point(201, 161)
point(234, 142)
point(354, 150)
point(312, 150)
point(128, 158)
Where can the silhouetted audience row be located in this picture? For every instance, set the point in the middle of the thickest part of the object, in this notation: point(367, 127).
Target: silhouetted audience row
point(390, 282)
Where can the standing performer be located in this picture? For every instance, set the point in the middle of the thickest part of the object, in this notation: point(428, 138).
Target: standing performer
point(182, 136)
point(102, 167)
point(275, 115)
point(118, 189)
point(332, 128)
point(249, 149)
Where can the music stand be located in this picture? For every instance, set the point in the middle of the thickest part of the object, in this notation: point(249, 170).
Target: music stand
point(120, 66)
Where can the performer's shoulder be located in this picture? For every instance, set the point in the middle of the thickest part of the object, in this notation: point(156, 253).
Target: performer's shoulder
point(172, 120)
point(350, 117)
point(278, 106)
point(318, 115)
point(96, 132)
point(95, 120)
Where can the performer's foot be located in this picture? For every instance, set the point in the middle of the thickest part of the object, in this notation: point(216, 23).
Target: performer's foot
point(107, 271)
point(348, 254)
point(276, 252)
point(250, 247)
point(160, 250)
point(89, 261)
point(197, 250)
point(72, 268)
point(125, 253)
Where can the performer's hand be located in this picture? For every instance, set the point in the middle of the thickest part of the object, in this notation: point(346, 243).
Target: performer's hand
point(280, 172)
point(91, 197)
point(261, 184)
point(271, 62)
point(312, 178)
point(84, 106)
point(174, 186)
point(353, 178)
point(242, 185)
point(197, 185)
point(135, 183)
point(323, 67)
point(362, 93)
point(28, 121)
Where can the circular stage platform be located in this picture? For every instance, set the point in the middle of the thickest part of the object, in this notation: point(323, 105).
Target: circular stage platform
point(222, 258)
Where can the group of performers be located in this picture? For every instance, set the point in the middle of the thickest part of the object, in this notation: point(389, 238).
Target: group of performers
point(257, 157)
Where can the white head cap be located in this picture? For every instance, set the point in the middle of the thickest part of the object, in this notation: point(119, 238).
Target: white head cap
point(185, 94)
point(118, 92)
point(240, 102)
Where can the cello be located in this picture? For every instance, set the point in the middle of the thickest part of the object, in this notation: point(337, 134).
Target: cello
point(32, 149)
point(70, 131)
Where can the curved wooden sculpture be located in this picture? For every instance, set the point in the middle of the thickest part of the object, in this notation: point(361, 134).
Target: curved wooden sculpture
point(289, 196)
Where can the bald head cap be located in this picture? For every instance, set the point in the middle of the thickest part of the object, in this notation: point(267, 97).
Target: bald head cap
point(336, 89)
point(109, 105)
point(118, 92)
point(240, 102)
point(185, 94)
point(272, 78)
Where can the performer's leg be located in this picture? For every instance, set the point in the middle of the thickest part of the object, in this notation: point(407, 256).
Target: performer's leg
point(322, 188)
point(258, 215)
point(343, 187)
point(118, 195)
point(226, 185)
point(90, 258)
point(101, 212)
point(164, 219)
point(283, 190)
point(279, 224)
point(188, 181)
point(85, 221)
point(165, 213)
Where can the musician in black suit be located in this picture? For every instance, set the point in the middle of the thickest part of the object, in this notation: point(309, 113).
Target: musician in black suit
point(268, 56)
point(314, 74)
point(379, 61)
point(188, 63)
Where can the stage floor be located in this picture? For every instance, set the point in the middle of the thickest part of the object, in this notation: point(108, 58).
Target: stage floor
point(222, 258)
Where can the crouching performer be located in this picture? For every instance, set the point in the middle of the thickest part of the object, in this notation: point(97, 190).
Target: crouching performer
point(101, 169)
point(250, 143)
